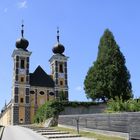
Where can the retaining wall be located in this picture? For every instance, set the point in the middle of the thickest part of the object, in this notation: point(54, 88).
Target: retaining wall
point(118, 122)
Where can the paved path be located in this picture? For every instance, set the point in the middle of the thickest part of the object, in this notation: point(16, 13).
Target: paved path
point(20, 133)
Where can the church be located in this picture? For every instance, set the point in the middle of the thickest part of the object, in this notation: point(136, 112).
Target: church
point(31, 90)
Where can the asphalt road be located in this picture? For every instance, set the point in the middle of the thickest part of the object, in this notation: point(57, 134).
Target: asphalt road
point(20, 133)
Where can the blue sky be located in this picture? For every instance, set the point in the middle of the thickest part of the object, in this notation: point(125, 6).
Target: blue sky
point(81, 23)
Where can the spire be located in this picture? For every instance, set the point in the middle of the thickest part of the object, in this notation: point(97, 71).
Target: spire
point(22, 30)
point(58, 34)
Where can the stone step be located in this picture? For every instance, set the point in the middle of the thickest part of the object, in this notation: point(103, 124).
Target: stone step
point(28, 126)
point(36, 129)
point(62, 136)
point(39, 131)
point(74, 138)
point(54, 133)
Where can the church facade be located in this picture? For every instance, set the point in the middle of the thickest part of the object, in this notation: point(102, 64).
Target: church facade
point(31, 90)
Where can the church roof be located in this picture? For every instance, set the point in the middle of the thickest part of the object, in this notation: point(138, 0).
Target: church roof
point(40, 78)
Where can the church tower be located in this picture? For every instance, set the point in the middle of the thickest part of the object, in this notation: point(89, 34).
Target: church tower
point(20, 88)
point(58, 64)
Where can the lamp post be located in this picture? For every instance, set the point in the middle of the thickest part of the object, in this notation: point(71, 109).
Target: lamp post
point(77, 124)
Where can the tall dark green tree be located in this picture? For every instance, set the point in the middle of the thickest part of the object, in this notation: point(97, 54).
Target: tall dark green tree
point(108, 77)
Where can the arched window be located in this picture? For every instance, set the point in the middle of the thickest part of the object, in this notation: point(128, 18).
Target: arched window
point(61, 83)
point(21, 100)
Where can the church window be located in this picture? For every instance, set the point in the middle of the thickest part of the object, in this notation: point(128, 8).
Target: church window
point(22, 79)
point(51, 94)
point(61, 68)
point(32, 92)
point(61, 83)
point(21, 100)
point(22, 64)
point(42, 93)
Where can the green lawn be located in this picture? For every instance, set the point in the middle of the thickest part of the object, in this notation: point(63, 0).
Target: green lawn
point(89, 134)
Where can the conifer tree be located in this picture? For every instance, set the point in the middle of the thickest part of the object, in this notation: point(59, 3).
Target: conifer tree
point(108, 77)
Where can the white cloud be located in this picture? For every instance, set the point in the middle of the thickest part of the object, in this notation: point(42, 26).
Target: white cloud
point(79, 88)
point(5, 10)
point(22, 4)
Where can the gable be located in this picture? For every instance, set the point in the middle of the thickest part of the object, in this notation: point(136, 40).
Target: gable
point(40, 78)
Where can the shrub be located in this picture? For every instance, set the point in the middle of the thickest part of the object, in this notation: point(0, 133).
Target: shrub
point(48, 110)
point(118, 105)
point(53, 108)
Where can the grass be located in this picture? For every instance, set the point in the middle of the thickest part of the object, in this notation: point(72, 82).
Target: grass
point(89, 134)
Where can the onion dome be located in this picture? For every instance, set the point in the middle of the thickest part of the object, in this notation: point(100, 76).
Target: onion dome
point(58, 48)
point(22, 42)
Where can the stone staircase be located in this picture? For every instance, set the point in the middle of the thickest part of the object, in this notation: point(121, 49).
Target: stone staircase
point(52, 134)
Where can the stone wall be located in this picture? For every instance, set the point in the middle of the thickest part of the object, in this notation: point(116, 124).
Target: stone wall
point(92, 109)
point(5, 117)
point(118, 122)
